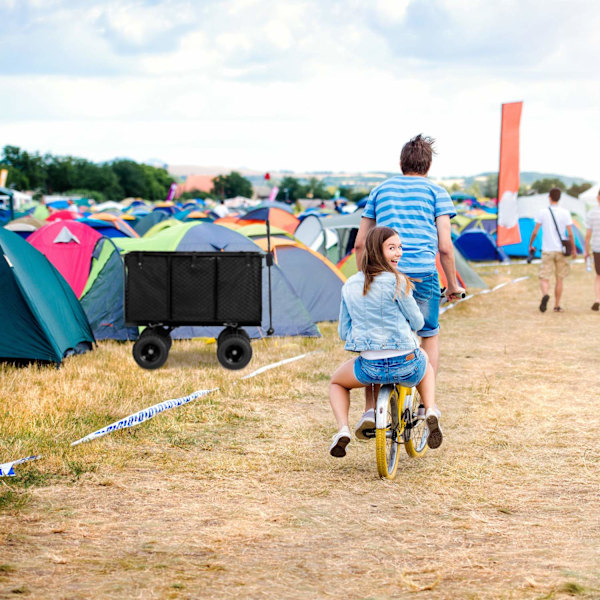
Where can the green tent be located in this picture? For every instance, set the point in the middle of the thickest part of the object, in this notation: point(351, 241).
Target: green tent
point(42, 318)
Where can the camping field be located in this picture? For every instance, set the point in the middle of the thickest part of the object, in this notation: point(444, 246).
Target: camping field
point(235, 495)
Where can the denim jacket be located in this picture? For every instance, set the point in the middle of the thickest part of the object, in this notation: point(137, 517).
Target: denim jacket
point(378, 321)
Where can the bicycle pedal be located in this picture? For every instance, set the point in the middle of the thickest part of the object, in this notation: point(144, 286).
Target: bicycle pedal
point(369, 433)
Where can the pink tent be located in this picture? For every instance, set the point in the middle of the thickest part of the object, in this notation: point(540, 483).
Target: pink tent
point(68, 245)
point(62, 215)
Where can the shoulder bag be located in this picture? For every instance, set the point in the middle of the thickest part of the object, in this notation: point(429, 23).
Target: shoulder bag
point(566, 244)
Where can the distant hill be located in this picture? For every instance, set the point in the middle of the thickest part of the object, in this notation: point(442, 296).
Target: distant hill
point(358, 179)
point(527, 177)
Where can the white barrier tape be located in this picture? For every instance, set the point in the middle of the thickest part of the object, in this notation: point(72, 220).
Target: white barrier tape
point(147, 413)
point(535, 261)
point(143, 415)
point(7, 470)
point(278, 364)
point(443, 309)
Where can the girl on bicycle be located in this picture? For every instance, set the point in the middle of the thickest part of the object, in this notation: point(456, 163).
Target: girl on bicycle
point(379, 318)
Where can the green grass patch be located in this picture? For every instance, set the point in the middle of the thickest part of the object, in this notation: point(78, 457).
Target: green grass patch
point(11, 499)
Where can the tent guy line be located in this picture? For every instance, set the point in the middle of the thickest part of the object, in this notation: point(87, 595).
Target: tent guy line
point(7, 470)
point(443, 309)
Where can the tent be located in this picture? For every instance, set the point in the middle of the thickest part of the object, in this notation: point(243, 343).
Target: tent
point(63, 215)
point(321, 291)
point(276, 216)
point(344, 228)
point(526, 226)
point(260, 230)
point(111, 229)
point(590, 197)
point(43, 319)
point(530, 206)
point(476, 244)
point(484, 221)
point(466, 274)
point(24, 226)
point(103, 296)
point(68, 245)
point(148, 221)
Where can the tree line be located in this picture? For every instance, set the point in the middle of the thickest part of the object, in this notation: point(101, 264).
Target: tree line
point(489, 187)
point(68, 175)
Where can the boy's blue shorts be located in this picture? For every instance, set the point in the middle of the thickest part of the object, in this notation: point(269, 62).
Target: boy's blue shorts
point(396, 369)
point(427, 296)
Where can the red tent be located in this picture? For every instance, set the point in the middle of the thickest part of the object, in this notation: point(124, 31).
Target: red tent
point(68, 245)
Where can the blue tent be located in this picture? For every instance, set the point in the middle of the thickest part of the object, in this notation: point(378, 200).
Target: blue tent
point(290, 316)
point(107, 228)
point(477, 244)
point(321, 292)
point(43, 320)
point(526, 226)
point(102, 298)
point(149, 220)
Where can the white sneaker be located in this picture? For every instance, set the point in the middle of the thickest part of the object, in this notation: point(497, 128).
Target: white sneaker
point(340, 440)
point(367, 421)
point(435, 431)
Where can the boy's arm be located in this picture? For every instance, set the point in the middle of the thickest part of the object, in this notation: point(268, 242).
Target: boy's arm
point(366, 225)
point(446, 250)
point(533, 235)
point(588, 237)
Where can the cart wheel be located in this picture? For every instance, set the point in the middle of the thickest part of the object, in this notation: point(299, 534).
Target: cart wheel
point(234, 351)
point(158, 331)
point(166, 336)
point(231, 331)
point(151, 351)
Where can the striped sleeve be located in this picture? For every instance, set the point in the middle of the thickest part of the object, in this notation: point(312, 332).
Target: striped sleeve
point(443, 204)
point(369, 209)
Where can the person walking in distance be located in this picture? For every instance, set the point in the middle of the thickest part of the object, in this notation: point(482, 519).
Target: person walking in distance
point(592, 239)
point(553, 220)
point(420, 212)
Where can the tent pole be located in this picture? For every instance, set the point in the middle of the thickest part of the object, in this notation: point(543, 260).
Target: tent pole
point(270, 331)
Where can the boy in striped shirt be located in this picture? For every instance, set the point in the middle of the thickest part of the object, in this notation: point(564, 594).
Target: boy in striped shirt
point(420, 211)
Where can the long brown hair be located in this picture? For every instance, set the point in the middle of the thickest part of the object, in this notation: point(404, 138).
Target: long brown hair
point(373, 260)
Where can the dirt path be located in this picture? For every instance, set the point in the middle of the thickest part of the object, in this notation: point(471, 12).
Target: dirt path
point(244, 501)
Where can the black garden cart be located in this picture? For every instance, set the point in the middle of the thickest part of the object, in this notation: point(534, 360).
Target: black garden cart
point(164, 290)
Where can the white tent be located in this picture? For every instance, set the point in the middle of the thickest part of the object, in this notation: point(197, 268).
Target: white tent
point(530, 206)
point(590, 196)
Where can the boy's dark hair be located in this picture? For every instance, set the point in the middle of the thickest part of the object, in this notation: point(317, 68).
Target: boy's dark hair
point(555, 194)
point(417, 154)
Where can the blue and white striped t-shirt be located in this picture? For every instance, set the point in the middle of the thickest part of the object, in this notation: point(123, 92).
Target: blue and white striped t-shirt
point(410, 205)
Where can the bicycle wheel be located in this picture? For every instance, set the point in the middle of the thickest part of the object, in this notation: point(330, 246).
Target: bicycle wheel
point(388, 433)
point(415, 430)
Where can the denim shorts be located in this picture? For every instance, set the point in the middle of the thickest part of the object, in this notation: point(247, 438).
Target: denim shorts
point(391, 370)
point(427, 296)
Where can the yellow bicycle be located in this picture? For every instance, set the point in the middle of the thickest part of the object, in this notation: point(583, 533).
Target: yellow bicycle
point(398, 421)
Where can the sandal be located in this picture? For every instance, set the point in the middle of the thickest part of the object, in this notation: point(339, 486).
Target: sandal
point(558, 309)
point(544, 303)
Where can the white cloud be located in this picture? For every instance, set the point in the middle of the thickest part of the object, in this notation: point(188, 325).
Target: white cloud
point(302, 84)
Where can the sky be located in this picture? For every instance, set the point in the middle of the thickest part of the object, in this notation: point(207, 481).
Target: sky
point(304, 85)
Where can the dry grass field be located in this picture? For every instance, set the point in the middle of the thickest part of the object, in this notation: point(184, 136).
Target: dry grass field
point(235, 495)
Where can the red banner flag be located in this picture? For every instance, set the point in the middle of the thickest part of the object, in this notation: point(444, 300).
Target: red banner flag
point(508, 176)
